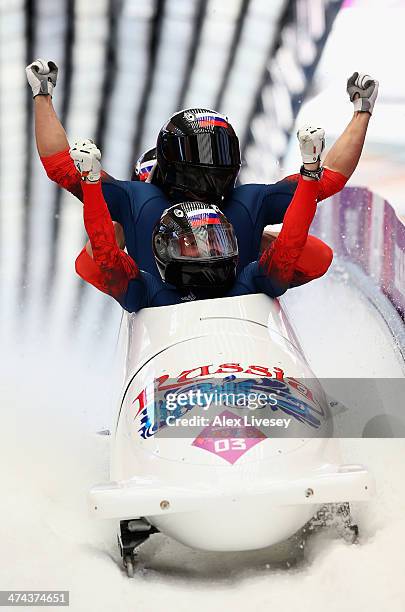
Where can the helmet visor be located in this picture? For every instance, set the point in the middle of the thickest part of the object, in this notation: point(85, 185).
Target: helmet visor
point(202, 242)
point(217, 148)
point(206, 184)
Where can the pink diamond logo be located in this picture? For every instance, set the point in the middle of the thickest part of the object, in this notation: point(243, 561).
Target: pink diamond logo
point(228, 442)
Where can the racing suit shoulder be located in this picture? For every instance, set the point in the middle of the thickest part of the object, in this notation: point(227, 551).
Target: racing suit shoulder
point(267, 203)
point(250, 195)
point(137, 207)
point(136, 195)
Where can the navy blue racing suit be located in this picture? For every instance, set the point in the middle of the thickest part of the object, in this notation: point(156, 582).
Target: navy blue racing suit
point(116, 273)
point(138, 206)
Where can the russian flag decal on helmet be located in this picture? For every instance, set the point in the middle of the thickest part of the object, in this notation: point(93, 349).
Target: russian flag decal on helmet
point(203, 217)
point(206, 118)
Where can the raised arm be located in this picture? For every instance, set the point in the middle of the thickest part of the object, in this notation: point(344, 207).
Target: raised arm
point(344, 156)
point(278, 262)
point(341, 160)
point(51, 139)
point(49, 133)
point(105, 266)
point(50, 136)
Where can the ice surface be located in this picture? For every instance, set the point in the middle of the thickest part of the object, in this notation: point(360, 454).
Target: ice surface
point(53, 401)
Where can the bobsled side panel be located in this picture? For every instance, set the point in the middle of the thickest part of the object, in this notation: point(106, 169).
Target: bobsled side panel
point(138, 449)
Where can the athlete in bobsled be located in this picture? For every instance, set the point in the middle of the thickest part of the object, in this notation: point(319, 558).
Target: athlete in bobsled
point(144, 165)
point(194, 244)
point(203, 489)
point(198, 159)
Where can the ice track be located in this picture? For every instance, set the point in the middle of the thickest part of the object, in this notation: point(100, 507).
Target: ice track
point(53, 402)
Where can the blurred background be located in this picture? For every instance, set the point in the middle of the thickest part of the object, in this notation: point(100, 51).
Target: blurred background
point(126, 65)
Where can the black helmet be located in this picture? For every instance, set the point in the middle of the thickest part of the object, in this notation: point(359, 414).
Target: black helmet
point(198, 154)
point(144, 165)
point(195, 246)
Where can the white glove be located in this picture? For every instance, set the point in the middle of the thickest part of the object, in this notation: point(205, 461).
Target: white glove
point(312, 143)
point(86, 158)
point(366, 87)
point(42, 77)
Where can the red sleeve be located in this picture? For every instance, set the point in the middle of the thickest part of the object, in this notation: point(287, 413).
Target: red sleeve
point(331, 182)
point(110, 269)
point(61, 169)
point(89, 271)
point(280, 258)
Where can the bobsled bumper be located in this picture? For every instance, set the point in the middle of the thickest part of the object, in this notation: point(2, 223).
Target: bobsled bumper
point(140, 497)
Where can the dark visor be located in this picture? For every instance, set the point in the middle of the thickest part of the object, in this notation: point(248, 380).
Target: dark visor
point(212, 149)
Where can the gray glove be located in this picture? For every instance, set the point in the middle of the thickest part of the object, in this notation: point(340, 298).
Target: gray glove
point(367, 89)
point(42, 77)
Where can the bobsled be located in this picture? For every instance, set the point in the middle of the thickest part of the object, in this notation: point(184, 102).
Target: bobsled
point(229, 477)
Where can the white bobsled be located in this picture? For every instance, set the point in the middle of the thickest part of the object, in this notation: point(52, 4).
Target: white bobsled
point(215, 489)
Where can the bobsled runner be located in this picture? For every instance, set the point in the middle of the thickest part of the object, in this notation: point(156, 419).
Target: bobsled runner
point(227, 476)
